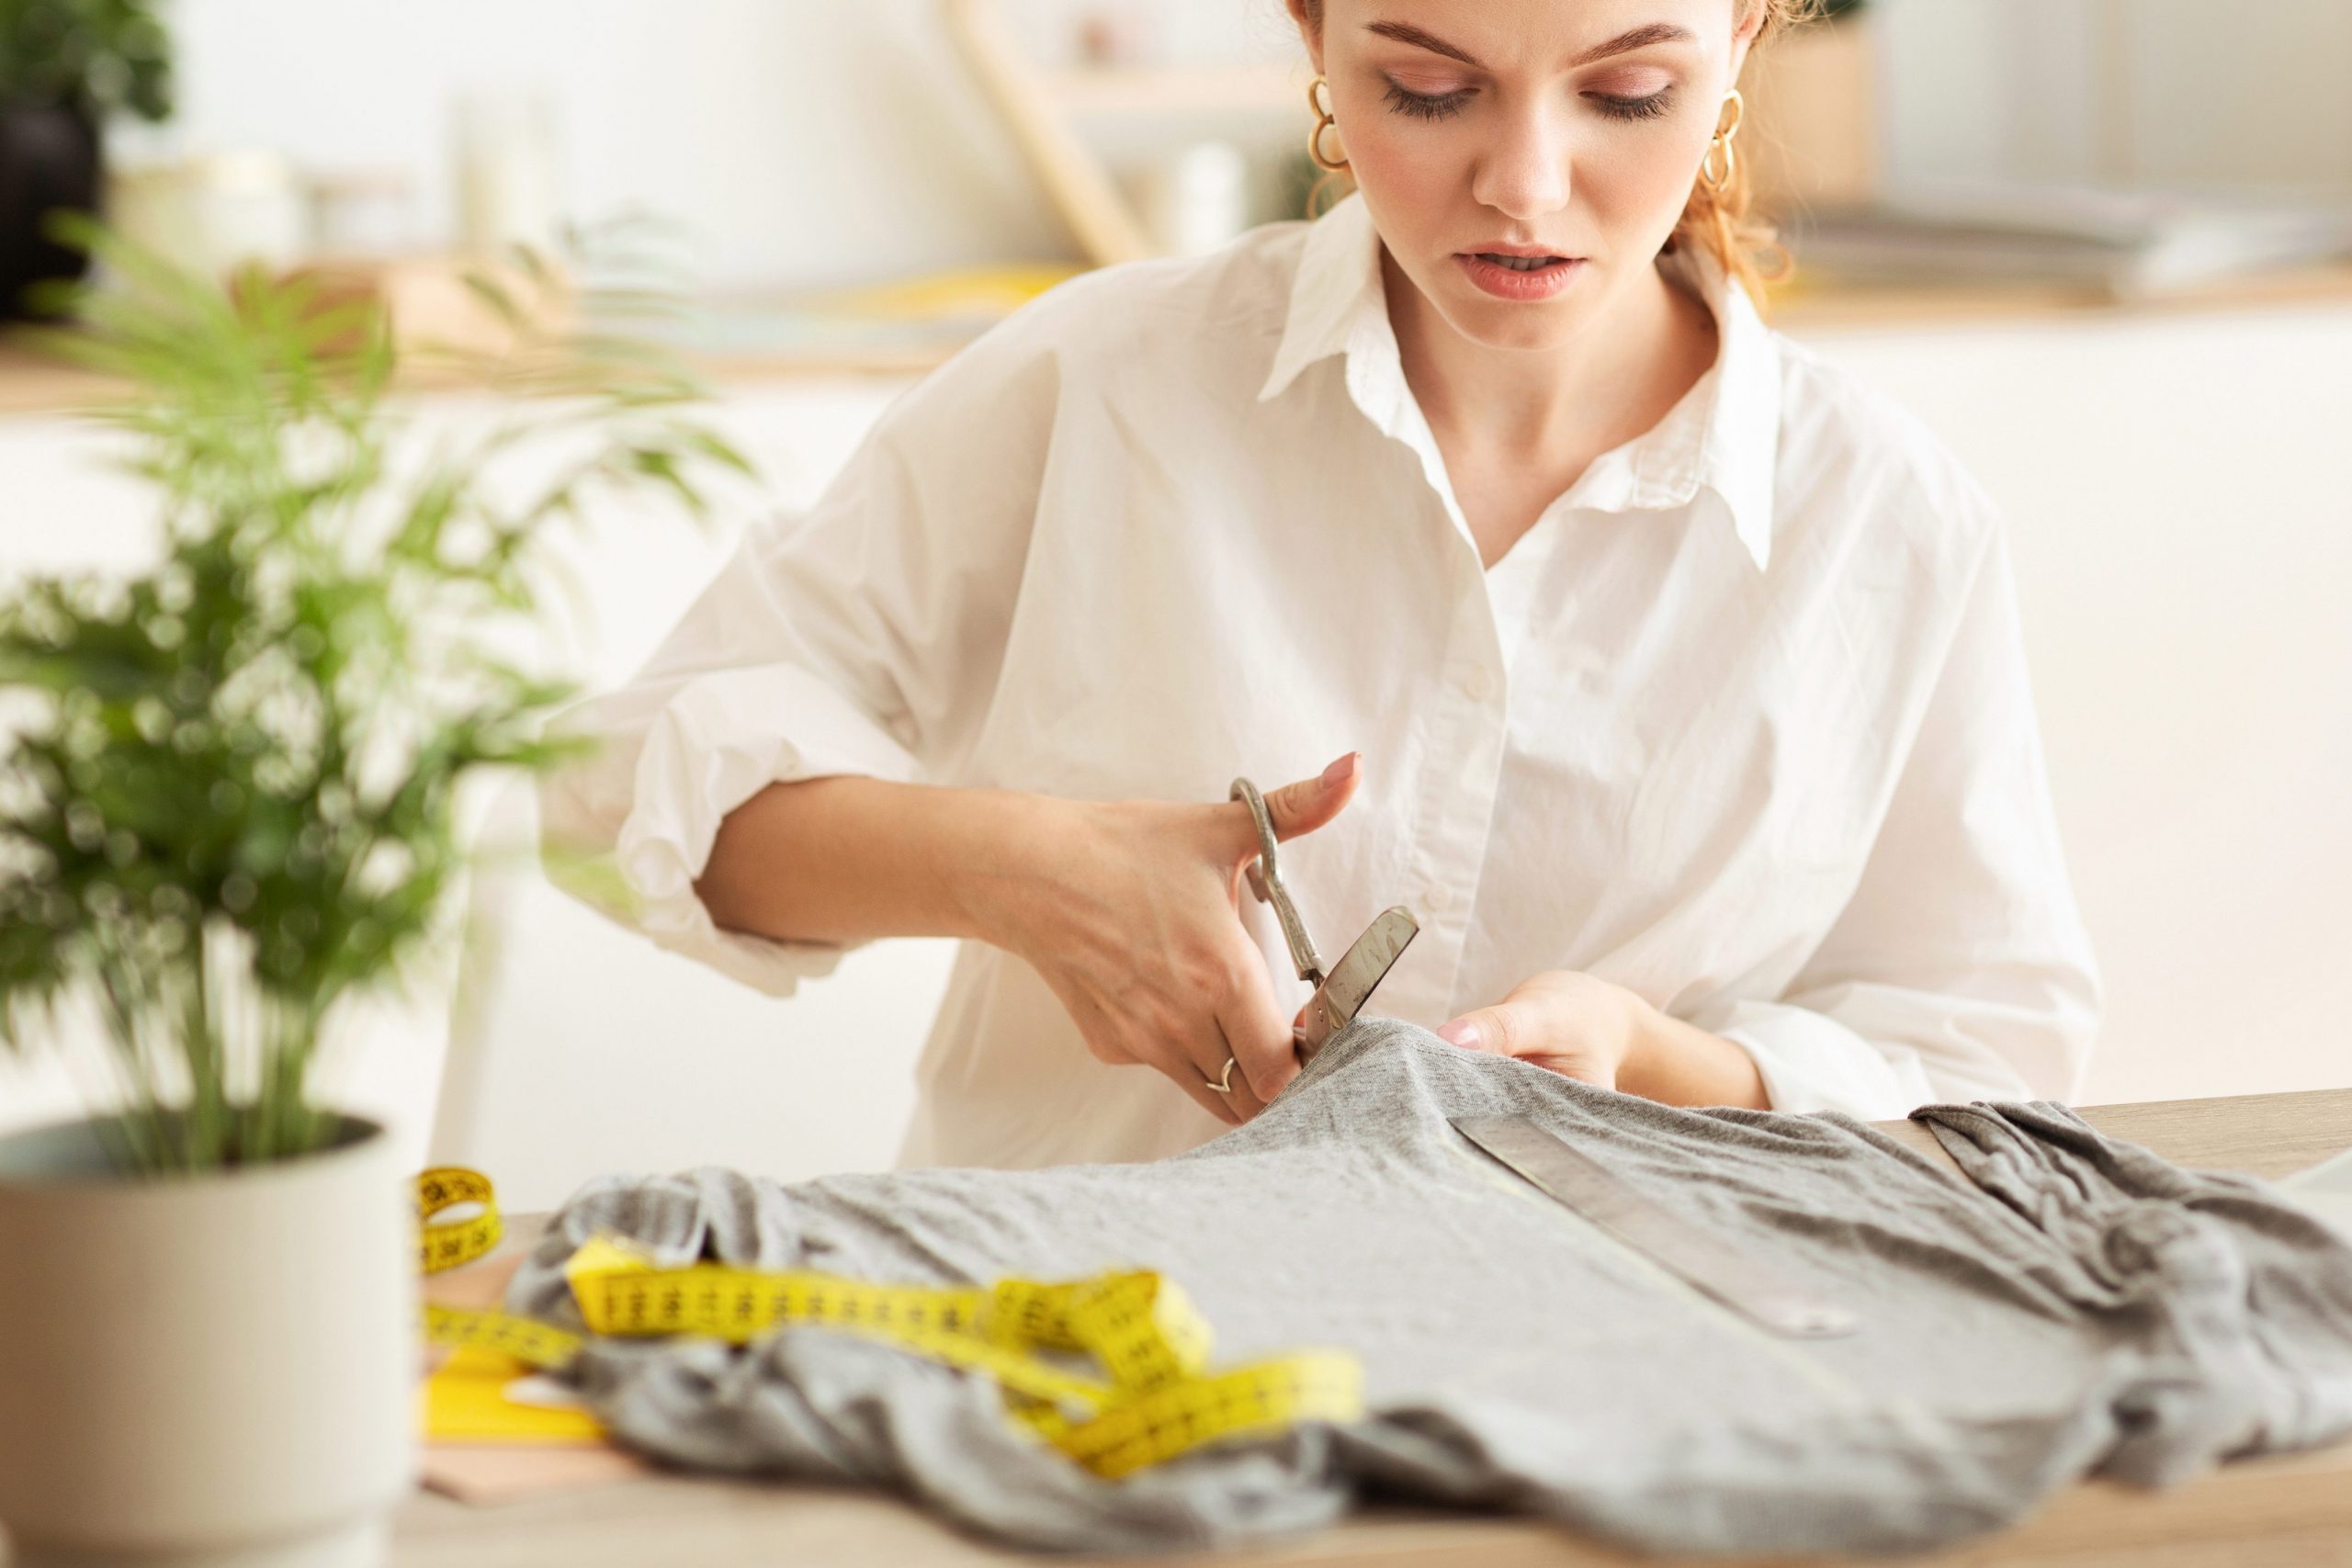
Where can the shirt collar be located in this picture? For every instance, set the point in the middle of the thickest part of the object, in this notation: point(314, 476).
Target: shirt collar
point(1723, 437)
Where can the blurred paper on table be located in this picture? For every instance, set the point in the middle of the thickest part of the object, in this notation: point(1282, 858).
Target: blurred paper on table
point(488, 1439)
point(914, 322)
point(474, 1398)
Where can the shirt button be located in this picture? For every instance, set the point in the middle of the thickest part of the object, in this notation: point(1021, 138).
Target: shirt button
point(1477, 683)
point(1440, 899)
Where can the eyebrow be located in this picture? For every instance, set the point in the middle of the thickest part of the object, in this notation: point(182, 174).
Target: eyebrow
point(1640, 37)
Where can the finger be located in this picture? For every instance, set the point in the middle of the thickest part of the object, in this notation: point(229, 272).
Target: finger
point(1203, 1092)
point(1252, 1021)
point(1298, 807)
point(1222, 1106)
point(1182, 1061)
point(1241, 1094)
point(1500, 1030)
point(1115, 1043)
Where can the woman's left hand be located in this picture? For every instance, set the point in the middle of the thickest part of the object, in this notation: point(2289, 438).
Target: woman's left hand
point(1586, 1028)
point(1561, 1019)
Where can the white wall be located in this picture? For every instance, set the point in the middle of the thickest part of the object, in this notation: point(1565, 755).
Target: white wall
point(815, 141)
point(806, 141)
point(2183, 533)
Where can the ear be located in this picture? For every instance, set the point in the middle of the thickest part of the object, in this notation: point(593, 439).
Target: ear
point(1751, 22)
point(1310, 31)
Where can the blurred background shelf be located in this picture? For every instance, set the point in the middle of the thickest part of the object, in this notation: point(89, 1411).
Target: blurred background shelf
point(749, 339)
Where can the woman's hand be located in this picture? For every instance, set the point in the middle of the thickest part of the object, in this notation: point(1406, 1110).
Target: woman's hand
point(1562, 1021)
point(1134, 923)
point(1582, 1027)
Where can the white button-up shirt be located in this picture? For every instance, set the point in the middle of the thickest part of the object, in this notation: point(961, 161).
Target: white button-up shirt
point(1741, 723)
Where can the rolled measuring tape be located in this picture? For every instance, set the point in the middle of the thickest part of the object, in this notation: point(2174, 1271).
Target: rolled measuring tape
point(445, 1244)
point(1152, 1399)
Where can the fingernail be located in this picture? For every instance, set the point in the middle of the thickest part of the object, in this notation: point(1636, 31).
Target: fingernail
point(1461, 1031)
point(1337, 770)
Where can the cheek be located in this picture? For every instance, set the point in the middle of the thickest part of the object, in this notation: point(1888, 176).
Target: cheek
point(1402, 153)
point(1418, 174)
point(1637, 172)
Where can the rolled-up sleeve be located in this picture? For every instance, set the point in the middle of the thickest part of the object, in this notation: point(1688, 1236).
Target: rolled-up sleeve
point(862, 635)
point(1960, 969)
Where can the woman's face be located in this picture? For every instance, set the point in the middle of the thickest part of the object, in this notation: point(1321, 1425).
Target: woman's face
point(1473, 126)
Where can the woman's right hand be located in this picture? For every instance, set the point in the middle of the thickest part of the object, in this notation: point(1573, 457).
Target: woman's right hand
point(1135, 922)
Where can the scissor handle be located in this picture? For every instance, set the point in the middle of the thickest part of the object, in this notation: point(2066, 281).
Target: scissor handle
point(1266, 882)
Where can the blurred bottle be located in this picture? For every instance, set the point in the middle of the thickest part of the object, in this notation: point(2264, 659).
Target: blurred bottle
point(507, 181)
point(1196, 198)
point(1113, 35)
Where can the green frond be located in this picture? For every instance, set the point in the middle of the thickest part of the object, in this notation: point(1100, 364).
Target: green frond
point(232, 806)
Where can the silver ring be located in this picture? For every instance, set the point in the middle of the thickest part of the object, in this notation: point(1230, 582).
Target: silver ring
point(1224, 1084)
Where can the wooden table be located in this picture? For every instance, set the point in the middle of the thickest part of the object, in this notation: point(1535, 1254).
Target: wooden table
point(2263, 1513)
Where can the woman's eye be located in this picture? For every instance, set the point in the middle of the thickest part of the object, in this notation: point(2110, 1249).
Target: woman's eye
point(1427, 106)
point(1438, 106)
point(1635, 108)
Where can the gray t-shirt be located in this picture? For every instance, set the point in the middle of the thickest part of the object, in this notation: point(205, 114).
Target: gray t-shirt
point(2085, 1307)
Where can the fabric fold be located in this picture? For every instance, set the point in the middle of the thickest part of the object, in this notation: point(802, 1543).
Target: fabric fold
point(2075, 1307)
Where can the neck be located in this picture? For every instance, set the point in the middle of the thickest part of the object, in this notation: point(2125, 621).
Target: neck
point(1645, 349)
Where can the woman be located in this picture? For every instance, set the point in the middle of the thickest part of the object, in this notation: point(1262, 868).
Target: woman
point(1674, 679)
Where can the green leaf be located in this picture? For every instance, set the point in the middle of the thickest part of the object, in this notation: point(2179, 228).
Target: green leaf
point(240, 760)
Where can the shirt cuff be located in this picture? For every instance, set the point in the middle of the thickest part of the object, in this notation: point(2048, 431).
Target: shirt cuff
point(1811, 1062)
point(716, 743)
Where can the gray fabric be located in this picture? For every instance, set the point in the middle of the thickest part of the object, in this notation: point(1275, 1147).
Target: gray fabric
point(2101, 1311)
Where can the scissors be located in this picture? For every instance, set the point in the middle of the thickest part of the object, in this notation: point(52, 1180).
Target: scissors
point(1340, 993)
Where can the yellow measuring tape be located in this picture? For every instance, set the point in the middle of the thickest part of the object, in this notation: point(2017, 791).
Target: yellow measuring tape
point(1148, 1398)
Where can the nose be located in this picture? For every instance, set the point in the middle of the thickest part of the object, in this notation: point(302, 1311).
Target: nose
point(1524, 173)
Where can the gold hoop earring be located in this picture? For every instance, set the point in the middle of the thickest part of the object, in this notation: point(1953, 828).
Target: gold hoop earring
point(1723, 136)
point(1324, 120)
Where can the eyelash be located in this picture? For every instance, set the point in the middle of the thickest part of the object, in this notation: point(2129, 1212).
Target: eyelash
point(1423, 106)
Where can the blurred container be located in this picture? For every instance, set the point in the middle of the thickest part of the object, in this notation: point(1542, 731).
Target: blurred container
point(209, 1370)
point(214, 212)
point(1195, 199)
point(1114, 34)
point(49, 160)
point(434, 309)
point(507, 181)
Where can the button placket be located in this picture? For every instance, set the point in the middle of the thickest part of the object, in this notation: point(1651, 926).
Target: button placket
point(1461, 773)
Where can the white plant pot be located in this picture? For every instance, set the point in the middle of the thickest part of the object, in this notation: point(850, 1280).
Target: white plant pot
point(209, 1372)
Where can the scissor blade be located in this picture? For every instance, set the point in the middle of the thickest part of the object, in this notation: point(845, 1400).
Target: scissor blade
point(1341, 997)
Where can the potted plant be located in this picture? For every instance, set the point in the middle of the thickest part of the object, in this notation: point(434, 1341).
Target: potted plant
point(229, 809)
point(65, 65)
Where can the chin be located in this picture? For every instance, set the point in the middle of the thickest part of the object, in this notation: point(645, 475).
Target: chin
point(1495, 324)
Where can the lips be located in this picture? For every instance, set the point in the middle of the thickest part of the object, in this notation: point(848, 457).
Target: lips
point(1519, 272)
point(1532, 253)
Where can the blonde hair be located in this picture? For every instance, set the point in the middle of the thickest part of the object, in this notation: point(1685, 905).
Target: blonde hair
point(1720, 222)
